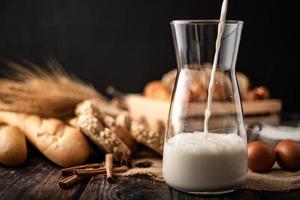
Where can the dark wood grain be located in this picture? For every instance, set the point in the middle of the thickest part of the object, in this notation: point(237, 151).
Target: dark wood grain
point(142, 188)
point(39, 178)
point(124, 188)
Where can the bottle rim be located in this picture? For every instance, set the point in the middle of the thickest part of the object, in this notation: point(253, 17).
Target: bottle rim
point(204, 22)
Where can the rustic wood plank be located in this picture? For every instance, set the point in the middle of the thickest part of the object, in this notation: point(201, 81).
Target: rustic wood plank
point(37, 179)
point(157, 110)
point(124, 188)
point(143, 188)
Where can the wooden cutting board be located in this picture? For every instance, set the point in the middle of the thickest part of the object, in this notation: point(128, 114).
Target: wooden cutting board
point(154, 111)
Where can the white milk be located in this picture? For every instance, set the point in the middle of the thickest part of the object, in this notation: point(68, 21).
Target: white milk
point(195, 162)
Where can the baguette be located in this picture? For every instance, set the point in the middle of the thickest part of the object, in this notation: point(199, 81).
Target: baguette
point(62, 144)
point(13, 149)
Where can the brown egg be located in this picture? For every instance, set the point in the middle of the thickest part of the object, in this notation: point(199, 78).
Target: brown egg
point(288, 155)
point(261, 156)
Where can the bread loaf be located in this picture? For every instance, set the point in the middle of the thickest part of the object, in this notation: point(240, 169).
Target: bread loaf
point(110, 133)
point(60, 143)
point(196, 79)
point(157, 90)
point(13, 149)
point(244, 84)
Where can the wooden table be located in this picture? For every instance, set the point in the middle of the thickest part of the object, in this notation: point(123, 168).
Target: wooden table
point(39, 178)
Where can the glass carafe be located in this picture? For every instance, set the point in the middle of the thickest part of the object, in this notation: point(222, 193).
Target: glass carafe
point(194, 161)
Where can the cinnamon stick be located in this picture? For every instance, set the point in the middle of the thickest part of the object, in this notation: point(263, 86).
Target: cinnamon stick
point(109, 167)
point(69, 181)
point(70, 170)
point(83, 172)
point(102, 170)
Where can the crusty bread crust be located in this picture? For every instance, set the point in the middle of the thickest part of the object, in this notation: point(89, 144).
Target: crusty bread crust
point(60, 143)
point(13, 148)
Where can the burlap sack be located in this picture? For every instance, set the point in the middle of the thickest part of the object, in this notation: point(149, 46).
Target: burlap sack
point(275, 180)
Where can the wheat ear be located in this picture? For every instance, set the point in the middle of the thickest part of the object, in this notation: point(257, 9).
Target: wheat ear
point(48, 92)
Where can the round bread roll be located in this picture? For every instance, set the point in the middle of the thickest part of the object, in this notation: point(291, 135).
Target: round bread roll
point(157, 90)
point(168, 78)
point(199, 82)
point(198, 79)
point(13, 149)
point(244, 84)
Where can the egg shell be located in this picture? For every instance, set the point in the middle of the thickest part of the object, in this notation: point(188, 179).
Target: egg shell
point(288, 155)
point(261, 156)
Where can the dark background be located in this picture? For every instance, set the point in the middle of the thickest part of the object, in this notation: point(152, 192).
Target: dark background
point(127, 43)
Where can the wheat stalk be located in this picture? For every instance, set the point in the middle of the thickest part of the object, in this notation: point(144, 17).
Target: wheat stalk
point(49, 92)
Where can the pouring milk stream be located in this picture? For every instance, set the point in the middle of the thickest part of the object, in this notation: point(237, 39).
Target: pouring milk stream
point(221, 28)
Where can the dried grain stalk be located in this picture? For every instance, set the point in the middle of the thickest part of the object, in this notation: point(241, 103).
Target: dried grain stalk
point(48, 92)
